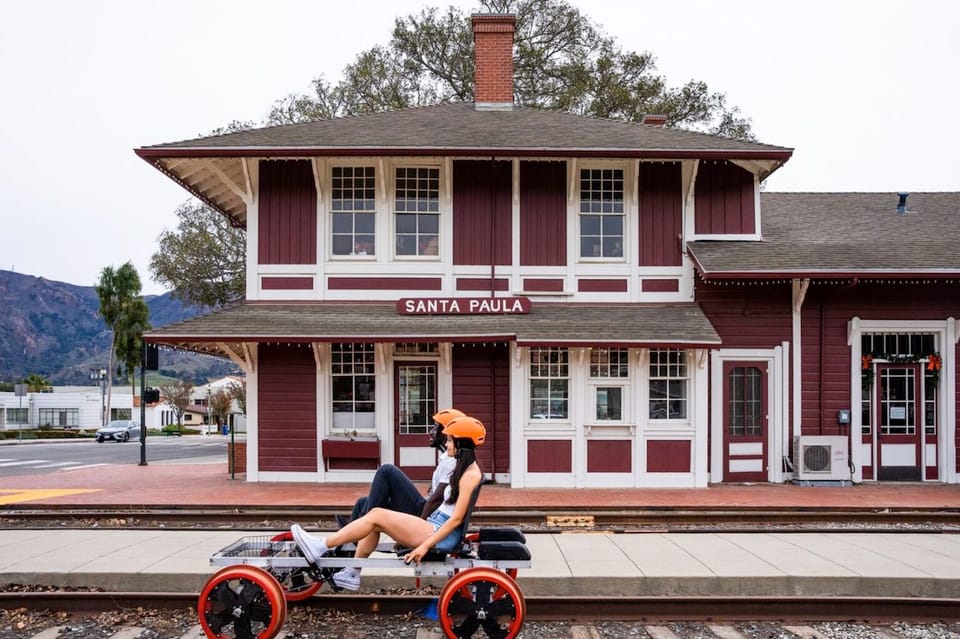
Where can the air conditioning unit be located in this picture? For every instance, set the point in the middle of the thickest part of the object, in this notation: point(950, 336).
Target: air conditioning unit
point(822, 457)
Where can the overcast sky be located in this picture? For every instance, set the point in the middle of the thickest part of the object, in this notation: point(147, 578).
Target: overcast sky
point(865, 92)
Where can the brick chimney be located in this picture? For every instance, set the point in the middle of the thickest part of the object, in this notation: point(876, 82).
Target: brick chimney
point(493, 61)
point(654, 119)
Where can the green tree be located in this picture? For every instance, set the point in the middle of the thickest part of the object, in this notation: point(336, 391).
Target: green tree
point(238, 392)
point(36, 383)
point(563, 61)
point(204, 259)
point(178, 394)
point(125, 314)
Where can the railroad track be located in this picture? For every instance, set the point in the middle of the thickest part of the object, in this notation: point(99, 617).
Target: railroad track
point(552, 608)
point(627, 520)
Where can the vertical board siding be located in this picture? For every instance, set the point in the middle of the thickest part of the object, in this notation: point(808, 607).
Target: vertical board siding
point(609, 456)
point(745, 316)
point(481, 389)
point(543, 213)
point(661, 214)
point(669, 456)
point(826, 354)
point(287, 213)
point(287, 398)
point(482, 212)
point(724, 199)
point(549, 456)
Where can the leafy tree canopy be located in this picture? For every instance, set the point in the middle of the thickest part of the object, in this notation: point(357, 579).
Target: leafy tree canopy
point(563, 61)
point(203, 259)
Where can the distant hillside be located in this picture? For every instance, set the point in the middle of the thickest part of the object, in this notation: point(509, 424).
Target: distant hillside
point(54, 329)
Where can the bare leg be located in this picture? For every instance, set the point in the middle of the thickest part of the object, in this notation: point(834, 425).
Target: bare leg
point(408, 530)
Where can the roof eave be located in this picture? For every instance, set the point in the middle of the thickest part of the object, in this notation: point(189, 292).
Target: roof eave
point(151, 154)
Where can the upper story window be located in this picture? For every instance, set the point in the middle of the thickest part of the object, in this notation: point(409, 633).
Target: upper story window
point(416, 206)
point(353, 208)
point(549, 383)
point(668, 384)
point(601, 213)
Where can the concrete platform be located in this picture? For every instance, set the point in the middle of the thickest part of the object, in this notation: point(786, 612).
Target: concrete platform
point(802, 564)
point(647, 564)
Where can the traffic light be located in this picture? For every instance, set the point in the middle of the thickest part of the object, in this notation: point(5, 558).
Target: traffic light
point(151, 395)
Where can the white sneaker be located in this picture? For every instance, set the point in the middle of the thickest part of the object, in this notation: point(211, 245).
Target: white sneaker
point(347, 578)
point(313, 548)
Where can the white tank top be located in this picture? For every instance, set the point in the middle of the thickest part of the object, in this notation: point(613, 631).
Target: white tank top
point(444, 507)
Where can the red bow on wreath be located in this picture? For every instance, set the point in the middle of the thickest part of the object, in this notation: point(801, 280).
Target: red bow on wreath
point(934, 363)
point(867, 361)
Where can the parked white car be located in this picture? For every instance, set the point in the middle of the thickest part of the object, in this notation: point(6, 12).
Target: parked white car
point(119, 430)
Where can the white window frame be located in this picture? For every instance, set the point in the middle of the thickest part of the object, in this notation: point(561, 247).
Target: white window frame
point(394, 231)
point(370, 254)
point(668, 378)
point(596, 383)
point(627, 204)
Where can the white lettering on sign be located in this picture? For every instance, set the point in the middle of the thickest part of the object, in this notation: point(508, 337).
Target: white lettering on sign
point(463, 306)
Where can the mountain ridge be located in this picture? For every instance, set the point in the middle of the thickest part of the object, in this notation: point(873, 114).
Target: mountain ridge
point(54, 329)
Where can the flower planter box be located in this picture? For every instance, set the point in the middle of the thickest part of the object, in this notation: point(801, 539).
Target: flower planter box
point(341, 453)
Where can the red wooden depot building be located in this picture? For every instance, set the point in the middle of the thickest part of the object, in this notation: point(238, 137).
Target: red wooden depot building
point(619, 303)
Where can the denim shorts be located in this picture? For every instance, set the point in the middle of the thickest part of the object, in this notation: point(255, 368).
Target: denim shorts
point(451, 541)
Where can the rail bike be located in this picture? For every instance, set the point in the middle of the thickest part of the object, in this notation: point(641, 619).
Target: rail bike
point(247, 597)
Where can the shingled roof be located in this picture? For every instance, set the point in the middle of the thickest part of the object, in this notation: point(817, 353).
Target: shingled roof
point(212, 168)
point(842, 235)
point(223, 332)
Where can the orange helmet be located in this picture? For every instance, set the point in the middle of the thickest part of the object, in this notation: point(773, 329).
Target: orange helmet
point(437, 439)
point(466, 427)
point(444, 417)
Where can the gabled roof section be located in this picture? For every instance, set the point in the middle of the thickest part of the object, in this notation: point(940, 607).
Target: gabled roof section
point(212, 168)
point(842, 235)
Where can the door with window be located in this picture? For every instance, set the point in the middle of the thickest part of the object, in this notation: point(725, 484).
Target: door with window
point(415, 396)
point(898, 418)
point(745, 421)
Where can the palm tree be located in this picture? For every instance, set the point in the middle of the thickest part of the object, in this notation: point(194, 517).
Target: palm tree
point(125, 314)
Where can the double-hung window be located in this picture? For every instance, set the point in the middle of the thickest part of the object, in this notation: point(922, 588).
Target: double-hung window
point(549, 383)
point(609, 375)
point(601, 213)
point(353, 370)
point(353, 206)
point(416, 206)
point(668, 384)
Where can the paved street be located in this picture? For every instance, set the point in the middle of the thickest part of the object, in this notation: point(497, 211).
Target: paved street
point(33, 457)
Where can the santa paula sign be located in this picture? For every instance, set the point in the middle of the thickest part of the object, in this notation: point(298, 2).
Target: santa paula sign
point(463, 306)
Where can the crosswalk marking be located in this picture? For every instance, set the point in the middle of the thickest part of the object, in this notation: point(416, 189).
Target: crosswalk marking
point(23, 462)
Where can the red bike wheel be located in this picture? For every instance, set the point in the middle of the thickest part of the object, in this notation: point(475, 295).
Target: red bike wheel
point(481, 599)
point(297, 583)
point(241, 602)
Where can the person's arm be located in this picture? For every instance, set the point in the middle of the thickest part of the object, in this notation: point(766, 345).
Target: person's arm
point(433, 500)
point(468, 483)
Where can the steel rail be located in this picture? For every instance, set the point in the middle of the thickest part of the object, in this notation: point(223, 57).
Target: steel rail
point(661, 519)
point(553, 608)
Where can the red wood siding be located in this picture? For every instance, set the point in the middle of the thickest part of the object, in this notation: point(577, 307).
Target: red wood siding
point(481, 388)
point(539, 284)
point(482, 284)
point(661, 214)
point(543, 213)
point(724, 199)
point(549, 456)
point(384, 283)
point(609, 456)
point(660, 286)
point(286, 283)
point(287, 400)
point(667, 456)
point(747, 317)
point(482, 212)
point(287, 213)
point(602, 286)
point(826, 355)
